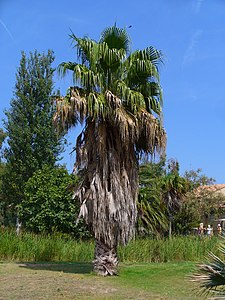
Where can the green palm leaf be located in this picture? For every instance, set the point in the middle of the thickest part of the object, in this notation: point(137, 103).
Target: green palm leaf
point(210, 277)
point(131, 98)
point(115, 38)
point(87, 49)
point(64, 67)
point(152, 217)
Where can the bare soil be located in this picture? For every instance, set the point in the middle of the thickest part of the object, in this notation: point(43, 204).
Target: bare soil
point(53, 281)
point(59, 281)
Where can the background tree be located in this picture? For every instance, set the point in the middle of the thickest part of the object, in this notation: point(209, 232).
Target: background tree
point(161, 197)
point(118, 96)
point(197, 178)
point(32, 139)
point(199, 203)
point(174, 187)
point(2, 138)
point(152, 216)
point(2, 170)
point(48, 205)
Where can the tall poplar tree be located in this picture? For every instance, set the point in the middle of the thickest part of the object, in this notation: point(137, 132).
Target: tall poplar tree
point(32, 140)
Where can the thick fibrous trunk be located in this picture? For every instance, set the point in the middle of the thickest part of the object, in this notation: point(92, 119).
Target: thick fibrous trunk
point(108, 192)
point(105, 261)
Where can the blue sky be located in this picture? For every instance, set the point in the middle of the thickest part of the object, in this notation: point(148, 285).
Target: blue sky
point(190, 33)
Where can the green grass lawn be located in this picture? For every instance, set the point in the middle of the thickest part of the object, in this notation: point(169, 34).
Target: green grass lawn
point(169, 280)
point(76, 281)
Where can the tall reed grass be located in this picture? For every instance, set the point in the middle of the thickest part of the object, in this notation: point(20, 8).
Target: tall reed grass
point(176, 248)
point(29, 247)
point(49, 248)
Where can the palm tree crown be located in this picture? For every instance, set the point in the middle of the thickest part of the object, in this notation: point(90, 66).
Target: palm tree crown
point(110, 81)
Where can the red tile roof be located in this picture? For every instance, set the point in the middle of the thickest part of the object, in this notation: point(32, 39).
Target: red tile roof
point(210, 188)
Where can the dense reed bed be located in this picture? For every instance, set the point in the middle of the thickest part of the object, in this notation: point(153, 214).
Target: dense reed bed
point(35, 248)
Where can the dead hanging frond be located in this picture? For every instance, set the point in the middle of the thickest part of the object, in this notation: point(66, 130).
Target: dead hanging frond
point(141, 128)
point(121, 118)
point(70, 110)
point(63, 118)
point(78, 103)
point(81, 154)
point(108, 191)
point(152, 136)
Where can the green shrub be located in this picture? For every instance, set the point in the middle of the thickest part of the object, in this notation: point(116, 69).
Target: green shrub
point(48, 206)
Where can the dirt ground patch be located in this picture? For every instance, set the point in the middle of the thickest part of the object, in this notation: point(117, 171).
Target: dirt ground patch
point(60, 281)
point(54, 281)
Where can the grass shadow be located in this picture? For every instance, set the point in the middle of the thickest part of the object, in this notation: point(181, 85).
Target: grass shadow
point(68, 267)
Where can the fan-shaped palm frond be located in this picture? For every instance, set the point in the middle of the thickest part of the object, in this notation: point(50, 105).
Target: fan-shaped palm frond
point(131, 98)
point(64, 67)
point(174, 188)
point(151, 213)
point(152, 137)
point(110, 59)
point(144, 70)
point(87, 49)
point(89, 80)
point(152, 217)
point(210, 277)
point(116, 38)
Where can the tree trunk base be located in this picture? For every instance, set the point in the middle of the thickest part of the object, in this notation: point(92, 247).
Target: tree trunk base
point(105, 262)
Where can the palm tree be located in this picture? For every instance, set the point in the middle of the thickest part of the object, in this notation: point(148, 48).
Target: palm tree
point(152, 217)
point(210, 276)
point(117, 96)
point(174, 187)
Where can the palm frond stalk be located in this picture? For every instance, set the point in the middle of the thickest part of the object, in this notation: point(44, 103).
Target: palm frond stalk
point(120, 123)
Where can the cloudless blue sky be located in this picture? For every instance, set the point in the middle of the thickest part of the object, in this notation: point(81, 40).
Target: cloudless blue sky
point(191, 35)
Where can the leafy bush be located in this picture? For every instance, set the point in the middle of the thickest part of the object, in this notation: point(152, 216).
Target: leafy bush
point(48, 205)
